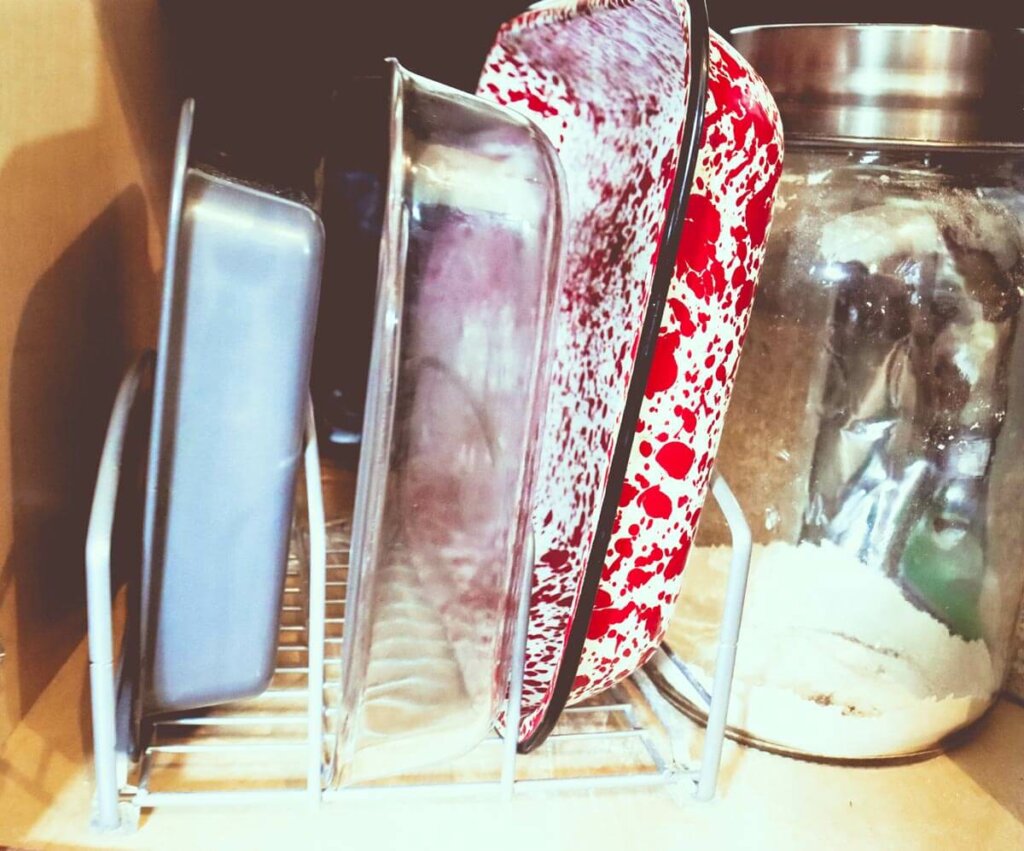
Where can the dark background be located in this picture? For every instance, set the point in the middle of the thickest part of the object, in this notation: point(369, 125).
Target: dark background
point(263, 70)
point(447, 39)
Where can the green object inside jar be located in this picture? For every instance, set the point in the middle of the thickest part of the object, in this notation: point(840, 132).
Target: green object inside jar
point(942, 567)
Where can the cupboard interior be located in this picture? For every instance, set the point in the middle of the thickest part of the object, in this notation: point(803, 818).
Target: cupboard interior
point(88, 110)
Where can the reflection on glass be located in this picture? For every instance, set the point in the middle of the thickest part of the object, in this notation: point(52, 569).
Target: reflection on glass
point(882, 475)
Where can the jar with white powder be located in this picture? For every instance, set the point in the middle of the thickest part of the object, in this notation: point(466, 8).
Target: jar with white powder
point(876, 433)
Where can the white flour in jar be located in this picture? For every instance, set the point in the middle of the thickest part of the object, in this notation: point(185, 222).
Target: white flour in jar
point(833, 660)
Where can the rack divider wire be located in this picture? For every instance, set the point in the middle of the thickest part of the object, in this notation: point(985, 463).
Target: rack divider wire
point(281, 745)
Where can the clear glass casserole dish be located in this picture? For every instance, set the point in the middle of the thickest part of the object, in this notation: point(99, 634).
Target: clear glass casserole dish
point(468, 267)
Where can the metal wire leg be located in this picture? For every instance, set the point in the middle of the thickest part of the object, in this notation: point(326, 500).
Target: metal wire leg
point(103, 690)
point(513, 712)
point(317, 609)
point(728, 638)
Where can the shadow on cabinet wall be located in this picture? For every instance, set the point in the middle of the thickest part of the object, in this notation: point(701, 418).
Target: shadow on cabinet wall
point(69, 352)
point(82, 198)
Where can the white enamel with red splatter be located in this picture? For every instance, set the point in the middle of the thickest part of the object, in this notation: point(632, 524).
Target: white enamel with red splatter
point(607, 81)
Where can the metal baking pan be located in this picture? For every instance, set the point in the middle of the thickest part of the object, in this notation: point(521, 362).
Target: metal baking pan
point(241, 285)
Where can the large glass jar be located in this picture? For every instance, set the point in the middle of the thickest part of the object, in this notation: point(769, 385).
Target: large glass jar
point(876, 442)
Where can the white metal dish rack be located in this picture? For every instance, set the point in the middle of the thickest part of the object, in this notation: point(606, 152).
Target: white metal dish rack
point(280, 745)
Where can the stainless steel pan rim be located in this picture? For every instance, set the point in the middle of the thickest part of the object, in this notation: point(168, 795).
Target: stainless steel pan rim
point(240, 289)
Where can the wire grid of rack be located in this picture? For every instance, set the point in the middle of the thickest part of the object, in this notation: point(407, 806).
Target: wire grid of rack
point(281, 745)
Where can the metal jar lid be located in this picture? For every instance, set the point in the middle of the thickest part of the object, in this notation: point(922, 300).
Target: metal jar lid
point(891, 84)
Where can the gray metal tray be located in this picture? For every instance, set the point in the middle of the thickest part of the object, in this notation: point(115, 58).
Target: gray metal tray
point(241, 285)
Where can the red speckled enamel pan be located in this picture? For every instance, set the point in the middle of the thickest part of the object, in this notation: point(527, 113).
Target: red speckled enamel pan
point(672, 148)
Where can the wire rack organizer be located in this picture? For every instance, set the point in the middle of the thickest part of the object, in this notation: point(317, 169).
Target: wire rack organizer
point(280, 745)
